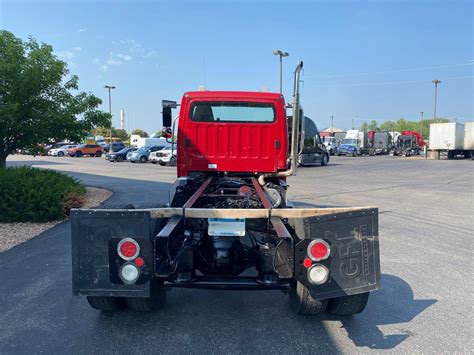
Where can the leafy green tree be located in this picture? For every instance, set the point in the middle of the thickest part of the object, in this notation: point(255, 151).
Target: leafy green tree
point(140, 132)
point(105, 132)
point(373, 126)
point(405, 125)
point(120, 133)
point(364, 127)
point(388, 126)
point(37, 103)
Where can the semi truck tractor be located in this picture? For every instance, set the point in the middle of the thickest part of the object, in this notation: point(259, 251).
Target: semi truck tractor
point(229, 224)
point(382, 142)
point(355, 143)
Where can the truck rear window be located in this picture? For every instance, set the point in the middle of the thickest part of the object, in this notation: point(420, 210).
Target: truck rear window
point(232, 112)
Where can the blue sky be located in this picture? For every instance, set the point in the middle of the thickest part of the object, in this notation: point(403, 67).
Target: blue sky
point(363, 60)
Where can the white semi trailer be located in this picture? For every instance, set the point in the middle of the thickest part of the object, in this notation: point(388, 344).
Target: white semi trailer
point(451, 139)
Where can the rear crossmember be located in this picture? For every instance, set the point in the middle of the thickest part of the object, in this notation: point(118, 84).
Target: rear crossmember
point(351, 231)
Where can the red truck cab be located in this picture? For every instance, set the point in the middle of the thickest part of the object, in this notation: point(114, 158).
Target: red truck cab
point(232, 132)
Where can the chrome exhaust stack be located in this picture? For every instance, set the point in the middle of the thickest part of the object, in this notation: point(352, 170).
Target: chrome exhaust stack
point(295, 130)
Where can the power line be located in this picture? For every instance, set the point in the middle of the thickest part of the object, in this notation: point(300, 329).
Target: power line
point(389, 82)
point(332, 76)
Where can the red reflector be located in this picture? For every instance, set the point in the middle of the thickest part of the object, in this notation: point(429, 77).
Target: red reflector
point(128, 249)
point(318, 250)
point(307, 262)
point(139, 262)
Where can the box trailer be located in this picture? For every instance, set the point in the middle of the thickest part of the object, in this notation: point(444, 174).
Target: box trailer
point(469, 138)
point(447, 138)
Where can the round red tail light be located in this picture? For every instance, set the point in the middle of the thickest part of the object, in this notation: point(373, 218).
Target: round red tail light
point(128, 249)
point(318, 250)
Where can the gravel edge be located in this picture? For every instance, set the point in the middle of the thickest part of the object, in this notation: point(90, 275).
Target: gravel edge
point(12, 234)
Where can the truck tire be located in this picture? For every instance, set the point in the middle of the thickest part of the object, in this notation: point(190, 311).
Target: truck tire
point(79, 154)
point(325, 160)
point(147, 304)
point(301, 301)
point(348, 305)
point(107, 304)
point(98, 154)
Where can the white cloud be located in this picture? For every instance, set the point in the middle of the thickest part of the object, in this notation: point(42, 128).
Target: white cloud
point(118, 58)
point(65, 55)
point(125, 57)
point(80, 30)
point(95, 61)
point(104, 67)
point(69, 53)
point(137, 49)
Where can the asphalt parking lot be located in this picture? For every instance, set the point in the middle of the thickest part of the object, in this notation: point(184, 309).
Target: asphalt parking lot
point(425, 305)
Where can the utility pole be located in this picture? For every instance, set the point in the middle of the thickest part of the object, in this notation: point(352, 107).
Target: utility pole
point(332, 124)
point(281, 54)
point(421, 124)
point(436, 82)
point(110, 87)
point(352, 123)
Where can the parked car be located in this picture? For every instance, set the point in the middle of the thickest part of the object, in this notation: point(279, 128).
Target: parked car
point(116, 146)
point(119, 156)
point(142, 154)
point(46, 148)
point(164, 157)
point(94, 150)
point(62, 151)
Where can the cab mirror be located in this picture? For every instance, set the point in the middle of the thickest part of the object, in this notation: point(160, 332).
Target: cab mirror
point(167, 118)
point(167, 105)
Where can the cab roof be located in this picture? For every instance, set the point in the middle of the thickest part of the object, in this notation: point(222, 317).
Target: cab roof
point(233, 94)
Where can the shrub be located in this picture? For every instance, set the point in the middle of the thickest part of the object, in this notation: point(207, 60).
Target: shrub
point(34, 195)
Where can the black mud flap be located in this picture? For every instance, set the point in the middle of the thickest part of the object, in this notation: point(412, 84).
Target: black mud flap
point(95, 261)
point(354, 261)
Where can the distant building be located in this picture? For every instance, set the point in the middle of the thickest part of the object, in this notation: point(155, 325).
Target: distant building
point(329, 131)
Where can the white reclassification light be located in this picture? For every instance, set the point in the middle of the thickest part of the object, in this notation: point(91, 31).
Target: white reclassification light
point(318, 274)
point(129, 273)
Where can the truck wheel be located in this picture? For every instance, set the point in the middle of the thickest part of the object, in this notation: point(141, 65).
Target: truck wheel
point(147, 304)
point(325, 160)
point(98, 154)
point(302, 303)
point(107, 304)
point(348, 305)
point(78, 154)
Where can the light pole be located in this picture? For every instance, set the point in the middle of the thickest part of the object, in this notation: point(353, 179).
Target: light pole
point(281, 54)
point(436, 82)
point(352, 123)
point(421, 124)
point(332, 124)
point(110, 87)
